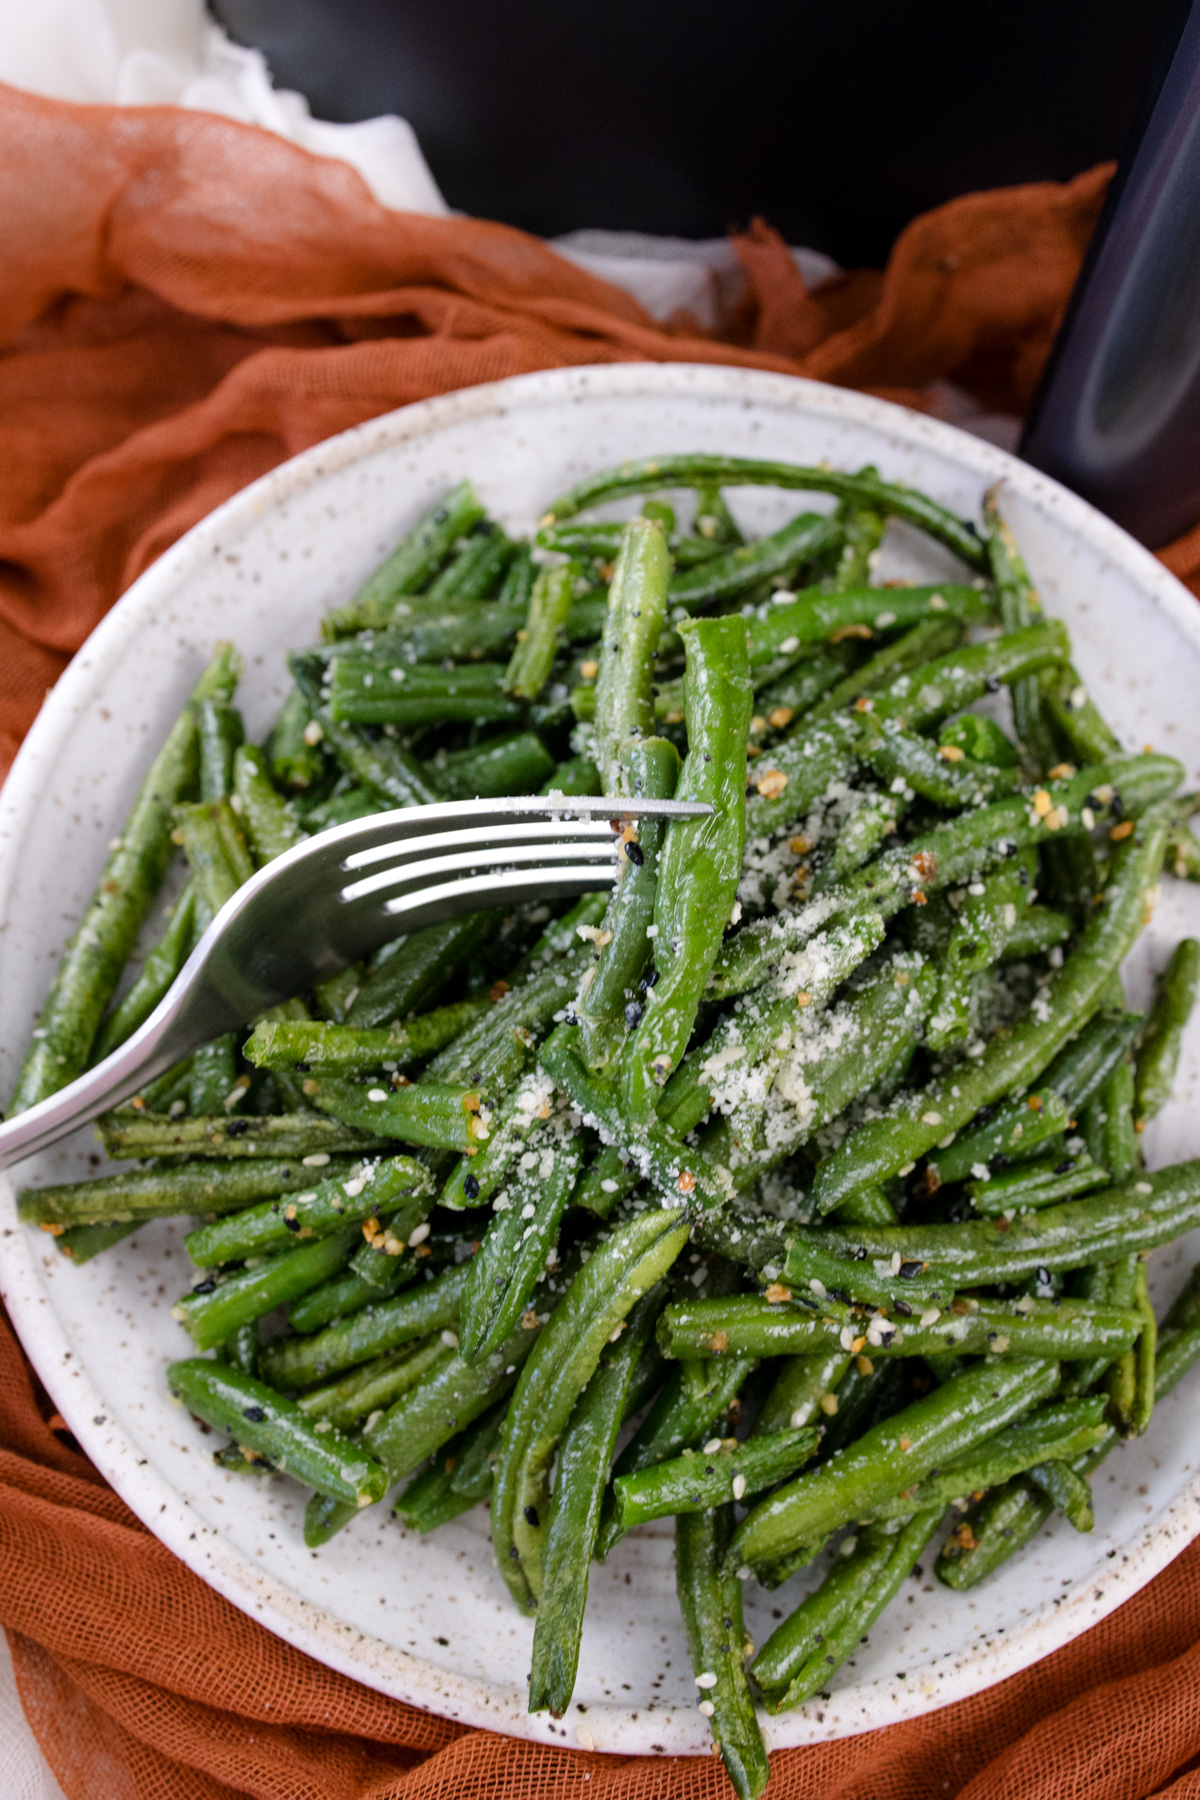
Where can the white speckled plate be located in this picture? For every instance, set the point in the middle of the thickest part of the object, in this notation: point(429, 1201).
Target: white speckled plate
point(429, 1621)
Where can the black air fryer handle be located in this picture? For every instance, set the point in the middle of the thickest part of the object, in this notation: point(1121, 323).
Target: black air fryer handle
point(1117, 416)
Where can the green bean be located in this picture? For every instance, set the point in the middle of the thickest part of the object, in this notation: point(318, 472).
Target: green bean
point(1037, 930)
point(158, 971)
point(478, 568)
point(1183, 853)
point(1075, 718)
point(1067, 1490)
point(330, 1205)
point(694, 1481)
point(763, 1029)
point(346, 1049)
point(431, 1307)
point(826, 1067)
point(801, 1386)
point(961, 1413)
point(625, 1265)
point(1162, 1039)
point(802, 541)
point(517, 763)
point(790, 777)
point(133, 871)
point(503, 1273)
point(133, 1134)
point(266, 817)
point(389, 775)
point(429, 1500)
point(451, 1396)
point(981, 740)
point(495, 1051)
point(549, 604)
point(409, 567)
point(706, 471)
point(957, 851)
point(673, 1169)
point(295, 757)
point(241, 1348)
point(1012, 1515)
point(700, 864)
point(416, 971)
point(920, 644)
point(608, 995)
point(1017, 1126)
point(986, 913)
point(213, 1085)
point(1145, 1356)
point(1006, 1520)
point(1019, 606)
point(853, 1608)
point(636, 609)
point(906, 758)
point(474, 1469)
point(170, 1190)
point(689, 1404)
point(344, 1294)
point(578, 775)
point(425, 630)
point(1050, 1435)
point(1104, 1227)
point(519, 578)
point(585, 1453)
point(797, 1647)
point(436, 1113)
point(809, 617)
point(82, 1242)
point(219, 1304)
point(221, 732)
point(1035, 1184)
point(710, 1599)
point(916, 1123)
point(349, 1399)
point(797, 692)
point(361, 694)
point(753, 1325)
point(277, 1429)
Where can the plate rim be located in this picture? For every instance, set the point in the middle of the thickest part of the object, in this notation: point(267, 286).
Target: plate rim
point(167, 1515)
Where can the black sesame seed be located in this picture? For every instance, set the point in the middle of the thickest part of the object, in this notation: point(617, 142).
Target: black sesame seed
point(237, 1128)
point(207, 1286)
point(292, 1224)
point(255, 1414)
point(531, 1517)
point(635, 854)
point(471, 1187)
point(633, 1014)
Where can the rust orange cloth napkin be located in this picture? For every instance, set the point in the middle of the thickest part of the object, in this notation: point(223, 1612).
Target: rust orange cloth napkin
point(184, 303)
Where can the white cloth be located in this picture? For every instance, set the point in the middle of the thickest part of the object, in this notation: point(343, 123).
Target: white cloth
point(24, 1772)
point(169, 53)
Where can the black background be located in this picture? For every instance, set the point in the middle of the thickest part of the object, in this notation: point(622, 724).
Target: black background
point(836, 122)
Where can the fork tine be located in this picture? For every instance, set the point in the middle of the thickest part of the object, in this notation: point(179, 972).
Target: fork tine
point(529, 831)
point(499, 858)
point(466, 893)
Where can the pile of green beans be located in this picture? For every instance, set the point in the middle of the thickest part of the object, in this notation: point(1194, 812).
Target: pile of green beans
point(811, 1154)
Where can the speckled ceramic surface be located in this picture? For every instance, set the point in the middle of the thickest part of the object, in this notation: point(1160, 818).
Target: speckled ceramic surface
point(429, 1621)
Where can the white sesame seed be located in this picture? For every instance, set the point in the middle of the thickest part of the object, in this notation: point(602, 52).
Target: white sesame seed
point(712, 1446)
point(818, 1288)
point(739, 1486)
point(707, 1680)
point(707, 1708)
point(930, 1316)
point(981, 1172)
point(419, 1234)
point(450, 1339)
point(317, 1160)
point(1142, 1187)
point(932, 1118)
point(376, 1094)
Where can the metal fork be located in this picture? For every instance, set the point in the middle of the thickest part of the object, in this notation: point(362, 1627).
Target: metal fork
point(331, 901)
